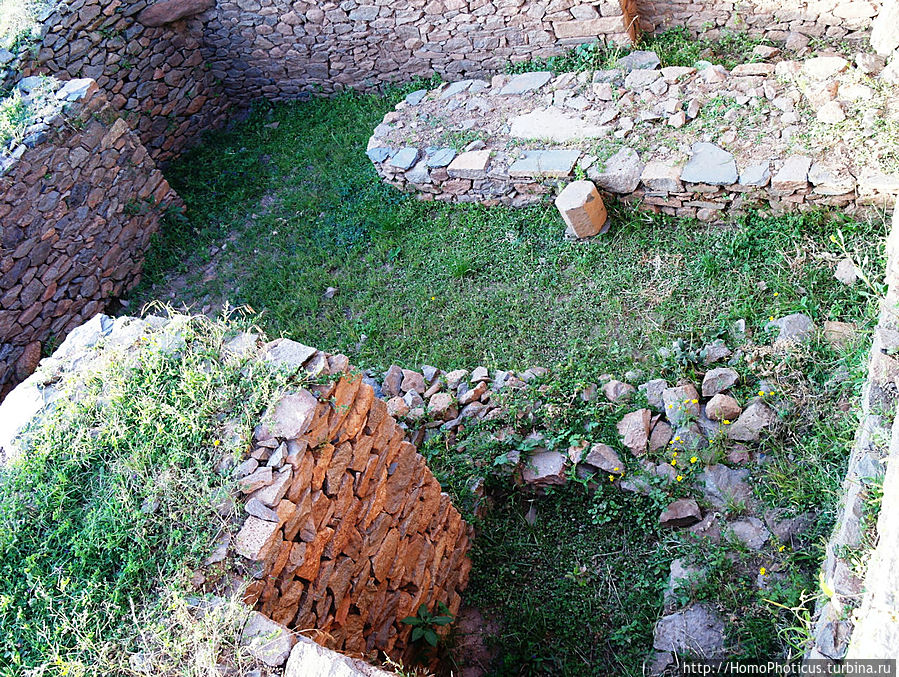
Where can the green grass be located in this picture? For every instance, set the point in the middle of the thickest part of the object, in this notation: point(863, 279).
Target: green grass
point(115, 502)
point(19, 23)
point(299, 209)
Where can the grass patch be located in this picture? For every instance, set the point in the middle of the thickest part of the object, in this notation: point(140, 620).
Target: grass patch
point(115, 502)
point(20, 21)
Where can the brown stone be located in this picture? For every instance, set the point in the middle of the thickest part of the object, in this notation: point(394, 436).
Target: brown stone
point(683, 512)
point(582, 209)
point(255, 537)
point(161, 13)
point(634, 430)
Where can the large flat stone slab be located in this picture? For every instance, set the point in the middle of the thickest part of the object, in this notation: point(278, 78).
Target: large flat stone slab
point(526, 82)
point(620, 173)
point(553, 124)
point(545, 163)
point(470, 165)
point(710, 164)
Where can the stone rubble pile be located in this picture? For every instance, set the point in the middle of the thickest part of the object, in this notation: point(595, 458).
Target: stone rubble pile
point(703, 127)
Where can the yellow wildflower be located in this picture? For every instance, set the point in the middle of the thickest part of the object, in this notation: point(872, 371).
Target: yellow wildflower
point(726, 422)
point(679, 478)
point(777, 293)
point(763, 571)
point(693, 459)
point(216, 443)
point(611, 478)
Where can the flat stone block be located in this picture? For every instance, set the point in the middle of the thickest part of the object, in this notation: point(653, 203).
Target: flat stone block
point(545, 163)
point(582, 209)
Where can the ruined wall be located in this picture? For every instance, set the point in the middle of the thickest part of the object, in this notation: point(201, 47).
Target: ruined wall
point(79, 201)
point(279, 49)
point(147, 61)
point(352, 528)
point(835, 19)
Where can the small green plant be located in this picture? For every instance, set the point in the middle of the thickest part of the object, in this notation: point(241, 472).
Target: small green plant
point(424, 623)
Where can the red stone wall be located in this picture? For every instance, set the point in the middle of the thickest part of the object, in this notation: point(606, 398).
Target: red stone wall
point(363, 534)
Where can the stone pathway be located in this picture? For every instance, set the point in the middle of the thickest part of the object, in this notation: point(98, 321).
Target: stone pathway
point(696, 142)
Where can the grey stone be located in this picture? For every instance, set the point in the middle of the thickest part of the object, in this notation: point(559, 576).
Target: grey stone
point(287, 354)
point(681, 404)
point(6, 56)
point(621, 173)
point(29, 84)
point(554, 124)
point(697, 631)
point(830, 181)
point(751, 532)
point(267, 641)
point(641, 79)
point(681, 576)
point(723, 486)
point(757, 417)
point(653, 391)
point(257, 508)
point(75, 89)
point(525, 82)
point(710, 164)
point(545, 163)
point(610, 76)
point(455, 88)
point(439, 157)
point(308, 659)
point(605, 458)
point(617, 391)
point(405, 158)
point(544, 468)
point(290, 415)
point(638, 60)
point(418, 174)
point(718, 380)
point(795, 327)
point(683, 512)
point(378, 154)
point(885, 29)
point(364, 13)
point(846, 272)
point(416, 97)
point(793, 175)
point(756, 175)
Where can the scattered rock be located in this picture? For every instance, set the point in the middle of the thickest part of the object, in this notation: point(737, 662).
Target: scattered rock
point(757, 417)
point(725, 487)
point(723, 408)
point(756, 175)
point(831, 113)
point(751, 532)
point(846, 271)
point(254, 537)
point(681, 513)
point(621, 173)
point(639, 60)
point(525, 82)
point(796, 328)
point(267, 641)
point(616, 391)
point(653, 391)
point(710, 164)
point(634, 431)
point(544, 468)
point(824, 67)
point(697, 631)
point(839, 334)
point(793, 175)
point(681, 404)
point(718, 380)
point(603, 457)
point(682, 577)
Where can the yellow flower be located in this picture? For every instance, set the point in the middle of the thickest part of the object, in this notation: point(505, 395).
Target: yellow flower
point(771, 318)
point(781, 548)
point(433, 298)
point(614, 469)
point(679, 478)
point(674, 462)
point(693, 459)
point(770, 392)
point(695, 401)
point(777, 293)
point(674, 453)
point(677, 439)
point(763, 571)
point(833, 238)
point(726, 422)
point(611, 479)
point(216, 443)
point(761, 393)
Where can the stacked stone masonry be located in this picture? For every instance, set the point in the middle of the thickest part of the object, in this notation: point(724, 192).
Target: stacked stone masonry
point(154, 71)
point(78, 204)
point(280, 49)
point(351, 529)
point(697, 129)
point(797, 21)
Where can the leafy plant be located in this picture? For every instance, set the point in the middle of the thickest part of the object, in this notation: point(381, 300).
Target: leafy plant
point(424, 623)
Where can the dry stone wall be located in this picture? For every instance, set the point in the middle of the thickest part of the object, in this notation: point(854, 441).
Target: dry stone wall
point(797, 20)
point(145, 56)
point(351, 529)
point(280, 49)
point(79, 200)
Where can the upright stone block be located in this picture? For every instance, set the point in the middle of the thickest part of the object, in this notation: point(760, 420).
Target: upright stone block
point(582, 209)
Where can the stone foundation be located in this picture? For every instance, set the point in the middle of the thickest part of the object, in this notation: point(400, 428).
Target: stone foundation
point(712, 142)
point(79, 200)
